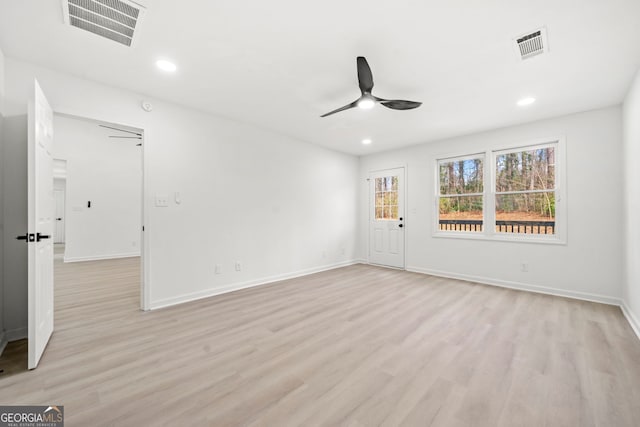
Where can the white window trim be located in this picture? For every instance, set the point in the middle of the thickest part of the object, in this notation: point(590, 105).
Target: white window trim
point(464, 234)
point(489, 195)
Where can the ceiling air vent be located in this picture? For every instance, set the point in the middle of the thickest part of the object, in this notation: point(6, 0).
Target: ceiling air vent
point(532, 44)
point(117, 20)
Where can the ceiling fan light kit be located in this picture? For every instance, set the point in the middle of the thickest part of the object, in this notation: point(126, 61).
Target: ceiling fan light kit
point(367, 100)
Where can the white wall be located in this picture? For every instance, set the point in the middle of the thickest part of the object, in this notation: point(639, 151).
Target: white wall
point(14, 270)
point(588, 266)
point(13, 286)
point(1, 82)
point(631, 207)
point(277, 205)
point(2, 156)
point(107, 172)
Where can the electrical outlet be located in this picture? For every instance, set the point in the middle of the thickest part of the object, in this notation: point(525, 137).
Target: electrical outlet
point(218, 269)
point(238, 266)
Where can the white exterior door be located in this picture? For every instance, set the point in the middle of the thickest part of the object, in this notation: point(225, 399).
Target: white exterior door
point(41, 220)
point(386, 217)
point(58, 234)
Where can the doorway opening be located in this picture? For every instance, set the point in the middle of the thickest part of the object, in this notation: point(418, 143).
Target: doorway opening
point(60, 215)
point(98, 193)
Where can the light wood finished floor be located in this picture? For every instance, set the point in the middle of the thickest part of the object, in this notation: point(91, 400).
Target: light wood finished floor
point(356, 346)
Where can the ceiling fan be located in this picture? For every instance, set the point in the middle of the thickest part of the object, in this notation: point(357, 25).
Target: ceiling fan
point(367, 100)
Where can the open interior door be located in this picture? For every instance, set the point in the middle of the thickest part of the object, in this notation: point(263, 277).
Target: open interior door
point(41, 218)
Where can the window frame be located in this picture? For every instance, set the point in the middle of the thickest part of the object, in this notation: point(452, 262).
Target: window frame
point(489, 195)
point(480, 155)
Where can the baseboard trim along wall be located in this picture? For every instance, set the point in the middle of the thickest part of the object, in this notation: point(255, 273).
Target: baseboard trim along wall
point(633, 320)
point(520, 286)
point(100, 257)
point(3, 342)
point(628, 314)
point(168, 302)
point(16, 334)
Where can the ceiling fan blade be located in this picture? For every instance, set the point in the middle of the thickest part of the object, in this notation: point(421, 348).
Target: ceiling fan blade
point(346, 107)
point(399, 104)
point(365, 78)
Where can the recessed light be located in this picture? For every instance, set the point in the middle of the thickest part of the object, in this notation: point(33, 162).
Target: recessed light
point(526, 101)
point(165, 65)
point(366, 141)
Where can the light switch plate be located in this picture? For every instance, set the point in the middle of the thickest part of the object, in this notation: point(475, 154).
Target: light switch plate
point(162, 200)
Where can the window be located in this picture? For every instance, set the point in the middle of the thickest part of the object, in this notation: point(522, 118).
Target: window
point(519, 194)
point(525, 190)
point(387, 198)
point(460, 203)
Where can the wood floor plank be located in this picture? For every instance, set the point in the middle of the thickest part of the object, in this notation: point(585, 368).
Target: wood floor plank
point(356, 346)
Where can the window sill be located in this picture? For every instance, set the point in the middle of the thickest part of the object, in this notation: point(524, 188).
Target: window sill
point(520, 238)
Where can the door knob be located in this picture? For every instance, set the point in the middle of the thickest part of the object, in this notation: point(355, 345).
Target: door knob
point(400, 225)
point(41, 237)
point(58, 219)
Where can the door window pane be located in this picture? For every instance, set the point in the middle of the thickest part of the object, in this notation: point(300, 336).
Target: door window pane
point(386, 198)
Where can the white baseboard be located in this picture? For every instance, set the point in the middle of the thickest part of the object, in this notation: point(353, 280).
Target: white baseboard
point(585, 296)
point(3, 342)
point(631, 318)
point(13, 335)
point(101, 257)
point(16, 334)
point(520, 286)
point(167, 302)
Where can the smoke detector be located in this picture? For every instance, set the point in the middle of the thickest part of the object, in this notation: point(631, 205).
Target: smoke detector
point(532, 44)
point(117, 20)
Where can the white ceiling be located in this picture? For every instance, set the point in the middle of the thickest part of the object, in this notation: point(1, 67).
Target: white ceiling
point(280, 64)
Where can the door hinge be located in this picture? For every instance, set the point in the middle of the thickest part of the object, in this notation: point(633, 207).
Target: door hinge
point(28, 237)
